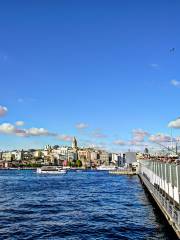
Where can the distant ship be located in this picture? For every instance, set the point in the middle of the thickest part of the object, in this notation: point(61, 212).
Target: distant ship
point(51, 170)
point(106, 168)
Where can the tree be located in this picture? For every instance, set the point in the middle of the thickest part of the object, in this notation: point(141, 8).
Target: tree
point(78, 163)
point(73, 164)
point(69, 164)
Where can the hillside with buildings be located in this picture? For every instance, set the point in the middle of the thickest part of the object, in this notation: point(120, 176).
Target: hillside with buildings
point(73, 156)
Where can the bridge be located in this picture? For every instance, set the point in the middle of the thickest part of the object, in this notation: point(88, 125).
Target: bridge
point(163, 182)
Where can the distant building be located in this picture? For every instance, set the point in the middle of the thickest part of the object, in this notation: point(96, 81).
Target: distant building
point(8, 156)
point(105, 158)
point(48, 148)
point(146, 150)
point(117, 159)
point(130, 157)
point(94, 156)
point(19, 155)
point(72, 155)
point(84, 154)
point(38, 154)
point(74, 144)
point(63, 151)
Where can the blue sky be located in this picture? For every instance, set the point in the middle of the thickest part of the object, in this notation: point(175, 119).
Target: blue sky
point(104, 64)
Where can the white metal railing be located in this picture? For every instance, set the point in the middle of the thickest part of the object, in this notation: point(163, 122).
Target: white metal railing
point(169, 207)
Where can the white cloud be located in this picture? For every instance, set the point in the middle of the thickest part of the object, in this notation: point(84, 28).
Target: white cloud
point(139, 135)
point(39, 132)
point(10, 129)
point(19, 123)
point(119, 142)
point(175, 83)
point(20, 133)
point(3, 111)
point(160, 137)
point(7, 128)
point(65, 138)
point(81, 125)
point(174, 123)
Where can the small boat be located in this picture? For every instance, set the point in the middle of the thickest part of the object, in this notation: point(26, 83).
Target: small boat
point(106, 168)
point(51, 170)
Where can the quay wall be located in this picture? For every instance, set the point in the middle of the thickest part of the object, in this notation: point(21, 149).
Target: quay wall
point(163, 182)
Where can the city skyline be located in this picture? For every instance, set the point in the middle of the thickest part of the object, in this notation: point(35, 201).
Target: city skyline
point(88, 70)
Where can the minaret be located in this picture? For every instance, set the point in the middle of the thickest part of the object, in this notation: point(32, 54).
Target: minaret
point(74, 143)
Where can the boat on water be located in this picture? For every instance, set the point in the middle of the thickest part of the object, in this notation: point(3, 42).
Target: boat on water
point(106, 168)
point(51, 170)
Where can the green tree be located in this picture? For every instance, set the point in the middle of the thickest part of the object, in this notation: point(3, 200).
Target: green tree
point(69, 164)
point(78, 163)
point(73, 164)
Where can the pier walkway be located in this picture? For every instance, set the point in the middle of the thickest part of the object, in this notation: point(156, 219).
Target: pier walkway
point(164, 188)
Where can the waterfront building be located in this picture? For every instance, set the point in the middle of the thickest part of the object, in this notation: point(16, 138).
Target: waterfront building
point(54, 159)
point(130, 158)
point(85, 156)
point(117, 159)
point(105, 158)
point(27, 155)
point(8, 156)
point(38, 154)
point(95, 158)
point(5, 164)
point(45, 152)
point(19, 155)
point(72, 155)
point(66, 152)
point(63, 151)
point(59, 155)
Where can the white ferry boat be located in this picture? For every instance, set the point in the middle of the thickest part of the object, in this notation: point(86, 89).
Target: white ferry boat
point(51, 170)
point(106, 168)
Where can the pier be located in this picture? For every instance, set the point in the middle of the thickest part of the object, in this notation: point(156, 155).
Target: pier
point(123, 172)
point(162, 180)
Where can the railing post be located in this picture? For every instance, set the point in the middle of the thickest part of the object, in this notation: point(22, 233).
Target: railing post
point(178, 215)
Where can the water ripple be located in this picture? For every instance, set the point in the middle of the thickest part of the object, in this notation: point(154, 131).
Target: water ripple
point(83, 205)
